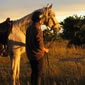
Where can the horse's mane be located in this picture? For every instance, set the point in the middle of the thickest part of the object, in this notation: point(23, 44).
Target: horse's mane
point(24, 22)
point(22, 18)
point(27, 18)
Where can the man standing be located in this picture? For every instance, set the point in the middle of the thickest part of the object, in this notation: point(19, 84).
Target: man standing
point(35, 47)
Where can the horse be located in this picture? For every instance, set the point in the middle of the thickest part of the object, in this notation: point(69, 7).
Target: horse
point(16, 38)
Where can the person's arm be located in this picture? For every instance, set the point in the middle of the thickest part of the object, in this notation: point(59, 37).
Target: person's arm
point(40, 41)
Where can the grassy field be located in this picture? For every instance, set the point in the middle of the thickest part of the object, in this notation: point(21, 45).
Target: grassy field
point(62, 66)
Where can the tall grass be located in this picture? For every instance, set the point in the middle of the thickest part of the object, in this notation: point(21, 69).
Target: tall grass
point(62, 66)
point(59, 48)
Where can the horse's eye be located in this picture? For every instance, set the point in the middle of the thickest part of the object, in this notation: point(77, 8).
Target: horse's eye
point(48, 14)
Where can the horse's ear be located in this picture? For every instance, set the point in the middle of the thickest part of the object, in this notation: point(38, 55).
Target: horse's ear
point(47, 5)
point(50, 6)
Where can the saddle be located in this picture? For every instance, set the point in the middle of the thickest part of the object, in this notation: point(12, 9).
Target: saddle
point(5, 29)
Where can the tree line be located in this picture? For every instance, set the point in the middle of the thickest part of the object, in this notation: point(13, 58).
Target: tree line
point(74, 30)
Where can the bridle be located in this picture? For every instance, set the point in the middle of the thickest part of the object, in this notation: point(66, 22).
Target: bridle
point(54, 24)
point(50, 17)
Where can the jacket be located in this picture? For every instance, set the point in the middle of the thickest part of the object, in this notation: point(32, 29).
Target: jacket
point(34, 43)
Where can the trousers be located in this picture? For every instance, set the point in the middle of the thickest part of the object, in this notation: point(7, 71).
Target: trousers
point(37, 71)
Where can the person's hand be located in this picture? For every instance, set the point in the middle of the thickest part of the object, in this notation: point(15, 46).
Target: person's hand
point(46, 50)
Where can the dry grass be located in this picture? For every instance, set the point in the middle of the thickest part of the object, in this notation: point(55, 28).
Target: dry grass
point(59, 48)
point(66, 65)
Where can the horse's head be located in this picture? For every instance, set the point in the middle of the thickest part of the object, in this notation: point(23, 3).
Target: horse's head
point(50, 19)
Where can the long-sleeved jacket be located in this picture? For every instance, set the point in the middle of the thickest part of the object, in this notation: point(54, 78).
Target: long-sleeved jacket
point(34, 43)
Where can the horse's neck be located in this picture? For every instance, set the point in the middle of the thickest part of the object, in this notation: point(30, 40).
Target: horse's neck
point(23, 23)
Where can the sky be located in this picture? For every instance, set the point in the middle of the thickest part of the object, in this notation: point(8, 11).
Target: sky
point(16, 9)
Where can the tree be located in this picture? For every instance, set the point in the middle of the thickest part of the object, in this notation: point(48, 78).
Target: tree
point(74, 29)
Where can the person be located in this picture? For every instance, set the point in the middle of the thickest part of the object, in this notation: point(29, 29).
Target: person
point(35, 47)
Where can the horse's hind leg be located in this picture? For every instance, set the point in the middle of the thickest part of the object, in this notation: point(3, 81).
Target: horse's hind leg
point(13, 80)
point(15, 67)
point(18, 69)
